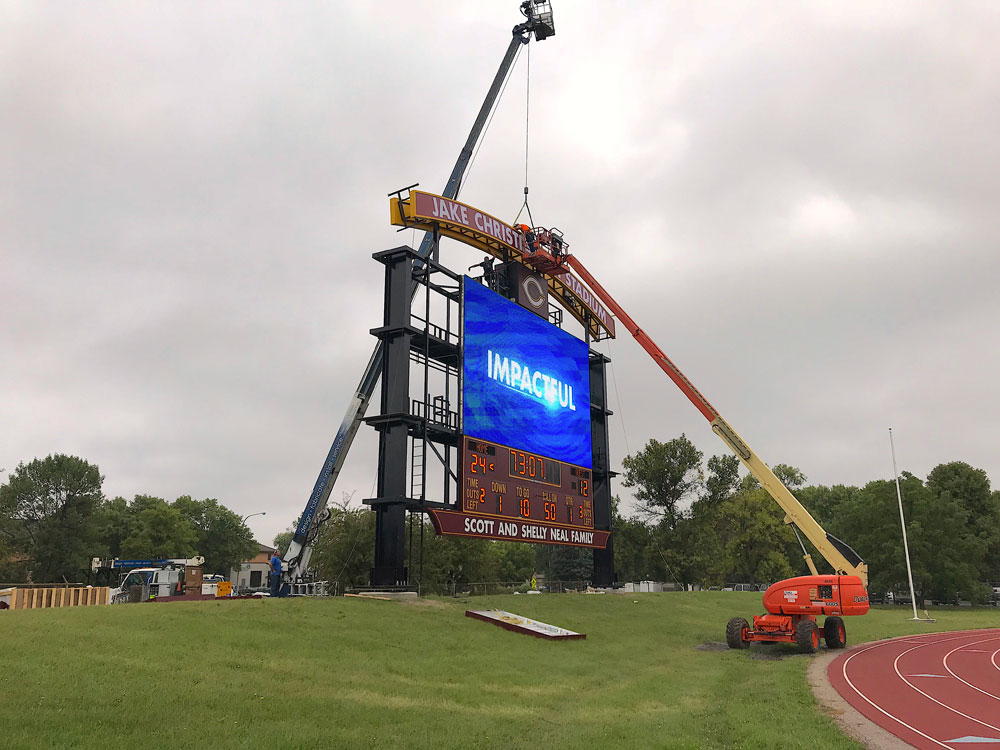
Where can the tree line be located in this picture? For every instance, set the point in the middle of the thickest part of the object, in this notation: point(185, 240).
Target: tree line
point(54, 518)
point(702, 523)
point(698, 522)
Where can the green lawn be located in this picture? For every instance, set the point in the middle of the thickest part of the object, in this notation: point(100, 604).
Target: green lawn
point(354, 673)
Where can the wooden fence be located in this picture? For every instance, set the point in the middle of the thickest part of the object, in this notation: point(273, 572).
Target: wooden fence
point(45, 598)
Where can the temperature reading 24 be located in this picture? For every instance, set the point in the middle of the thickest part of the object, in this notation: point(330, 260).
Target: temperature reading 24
point(480, 464)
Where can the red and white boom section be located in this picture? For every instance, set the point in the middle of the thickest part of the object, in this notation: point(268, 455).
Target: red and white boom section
point(548, 256)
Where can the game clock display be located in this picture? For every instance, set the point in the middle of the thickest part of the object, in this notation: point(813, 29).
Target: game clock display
point(504, 482)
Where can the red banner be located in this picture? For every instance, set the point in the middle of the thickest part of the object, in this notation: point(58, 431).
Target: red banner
point(441, 209)
point(453, 523)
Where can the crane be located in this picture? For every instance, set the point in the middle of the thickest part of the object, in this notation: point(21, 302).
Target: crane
point(792, 605)
point(295, 562)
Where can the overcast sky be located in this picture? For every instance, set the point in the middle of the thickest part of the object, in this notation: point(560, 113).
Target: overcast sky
point(798, 201)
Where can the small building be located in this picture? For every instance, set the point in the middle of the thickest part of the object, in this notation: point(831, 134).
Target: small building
point(251, 575)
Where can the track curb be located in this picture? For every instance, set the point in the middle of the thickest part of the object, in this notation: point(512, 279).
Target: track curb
point(851, 721)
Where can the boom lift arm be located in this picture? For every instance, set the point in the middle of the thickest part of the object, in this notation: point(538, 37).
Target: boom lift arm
point(843, 559)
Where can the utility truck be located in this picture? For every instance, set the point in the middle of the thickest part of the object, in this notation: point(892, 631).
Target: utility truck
point(155, 578)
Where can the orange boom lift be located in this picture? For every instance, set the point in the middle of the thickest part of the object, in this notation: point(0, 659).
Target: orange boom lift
point(792, 605)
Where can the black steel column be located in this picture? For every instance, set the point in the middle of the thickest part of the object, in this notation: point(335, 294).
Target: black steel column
point(604, 559)
point(390, 502)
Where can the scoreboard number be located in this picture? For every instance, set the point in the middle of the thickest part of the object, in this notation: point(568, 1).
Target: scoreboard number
point(544, 490)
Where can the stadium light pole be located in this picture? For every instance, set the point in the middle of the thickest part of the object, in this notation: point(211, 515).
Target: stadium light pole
point(902, 523)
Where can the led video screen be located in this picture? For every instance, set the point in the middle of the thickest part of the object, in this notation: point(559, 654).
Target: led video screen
point(526, 383)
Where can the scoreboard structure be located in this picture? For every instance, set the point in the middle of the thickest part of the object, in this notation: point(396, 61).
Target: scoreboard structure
point(493, 420)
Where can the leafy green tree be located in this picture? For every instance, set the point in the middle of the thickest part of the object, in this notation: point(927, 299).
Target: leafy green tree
point(824, 503)
point(755, 536)
point(114, 524)
point(946, 557)
point(515, 561)
point(791, 477)
point(158, 530)
point(631, 538)
point(568, 564)
point(664, 476)
point(13, 563)
point(283, 539)
point(698, 550)
point(971, 488)
point(222, 537)
point(723, 480)
point(451, 563)
point(968, 485)
point(993, 551)
point(47, 516)
point(343, 549)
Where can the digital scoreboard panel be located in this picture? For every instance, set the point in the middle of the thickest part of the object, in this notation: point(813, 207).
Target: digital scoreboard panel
point(525, 382)
point(504, 482)
point(527, 465)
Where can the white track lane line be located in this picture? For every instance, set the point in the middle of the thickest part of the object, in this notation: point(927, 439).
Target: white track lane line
point(974, 643)
point(994, 659)
point(876, 706)
point(895, 665)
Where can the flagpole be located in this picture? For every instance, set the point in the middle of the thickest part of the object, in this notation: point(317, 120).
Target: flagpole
point(902, 523)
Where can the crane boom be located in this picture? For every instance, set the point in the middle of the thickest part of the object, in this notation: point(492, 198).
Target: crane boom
point(538, 15)
point(845, 561)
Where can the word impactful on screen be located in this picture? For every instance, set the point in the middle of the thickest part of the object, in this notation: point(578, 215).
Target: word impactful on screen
point(526, 383)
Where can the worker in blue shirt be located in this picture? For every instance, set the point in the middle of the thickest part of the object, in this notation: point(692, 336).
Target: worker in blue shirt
point(274, 579)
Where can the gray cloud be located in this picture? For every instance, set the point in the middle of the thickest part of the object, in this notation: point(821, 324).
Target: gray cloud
point(797, 202)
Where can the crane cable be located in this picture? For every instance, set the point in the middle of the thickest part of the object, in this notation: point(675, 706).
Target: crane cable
point(527, 121)
point(496, 106)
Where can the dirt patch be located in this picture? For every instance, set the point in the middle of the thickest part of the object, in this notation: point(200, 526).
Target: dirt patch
point(847, 717)
point(712, 646)
point(771, 652)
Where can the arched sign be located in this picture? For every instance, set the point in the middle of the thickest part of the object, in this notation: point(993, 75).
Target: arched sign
point(459, 221)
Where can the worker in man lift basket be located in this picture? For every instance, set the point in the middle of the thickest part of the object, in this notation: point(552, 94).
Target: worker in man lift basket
point(530, 240)
point(274, 577)
point(540, 238)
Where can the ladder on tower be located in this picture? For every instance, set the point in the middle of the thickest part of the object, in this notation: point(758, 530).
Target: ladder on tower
point(417, 449)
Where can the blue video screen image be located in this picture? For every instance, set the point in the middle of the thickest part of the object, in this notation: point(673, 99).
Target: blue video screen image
point(525, 382)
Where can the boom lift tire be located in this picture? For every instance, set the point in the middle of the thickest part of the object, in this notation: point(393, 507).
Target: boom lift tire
point(734, 633)
point(807, 636)
point(834, 632)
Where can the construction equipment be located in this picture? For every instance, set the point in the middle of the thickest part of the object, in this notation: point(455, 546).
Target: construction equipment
point(537, 23)
point(792, 605)
point(155, 578)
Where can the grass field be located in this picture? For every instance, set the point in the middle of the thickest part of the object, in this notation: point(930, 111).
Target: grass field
point(300, 673)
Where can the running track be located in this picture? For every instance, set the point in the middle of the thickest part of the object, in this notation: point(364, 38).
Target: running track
point(939, 690)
